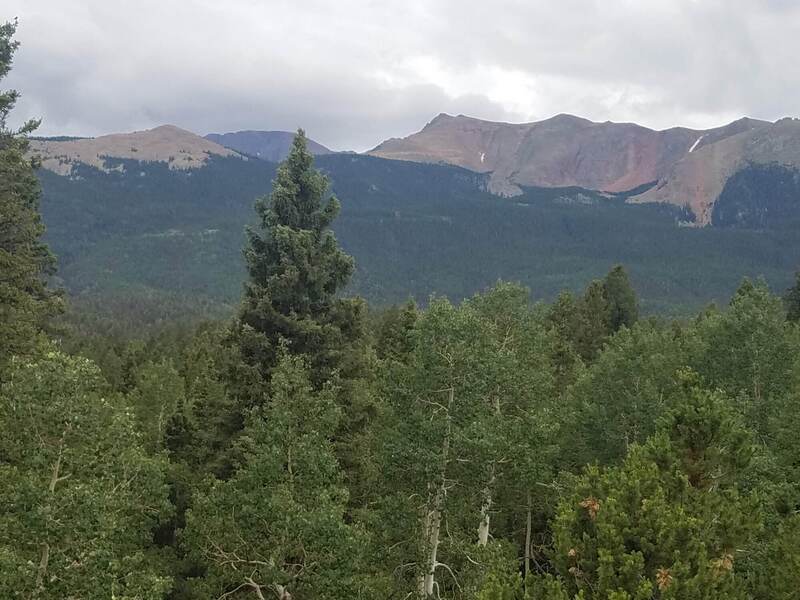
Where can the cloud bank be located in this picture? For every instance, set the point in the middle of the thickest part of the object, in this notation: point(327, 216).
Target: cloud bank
point(354, 72)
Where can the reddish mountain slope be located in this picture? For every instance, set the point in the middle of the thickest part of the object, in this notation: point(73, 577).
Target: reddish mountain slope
point(561, 151)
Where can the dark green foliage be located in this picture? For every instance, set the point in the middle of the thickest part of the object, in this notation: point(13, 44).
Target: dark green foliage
point(792, 300)
point(25, 262)
point(277, 526)
point(295, 271)
point(664, 524)
point(760, 197)
point(622, 303)
point(151, 232)
point(595, 320)
point(394, 335)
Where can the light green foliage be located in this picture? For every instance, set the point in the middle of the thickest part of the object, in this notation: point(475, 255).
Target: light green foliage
point(617, 400)
point(669, 522)
point(25, 262)
point(79, 498)
point(749, 351)
point(276, 527)
point(475, 390)
point(155, 398)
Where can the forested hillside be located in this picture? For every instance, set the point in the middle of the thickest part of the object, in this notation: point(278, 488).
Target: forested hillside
point(309, 446)
point(173, 238)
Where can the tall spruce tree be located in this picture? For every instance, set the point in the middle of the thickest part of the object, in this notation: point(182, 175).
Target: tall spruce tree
point(296, 269)
point(25, 262)
point(595, 327)
point(622, 303)
point(276, 528)
point(792, 300)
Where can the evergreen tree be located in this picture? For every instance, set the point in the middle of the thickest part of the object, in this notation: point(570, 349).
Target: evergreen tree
point(393, 336)
point(25, 262)
point(671, 521)
point(792, 300)
point(595, 324)
point(276, 528)
point(295, 271)
point(622, 303)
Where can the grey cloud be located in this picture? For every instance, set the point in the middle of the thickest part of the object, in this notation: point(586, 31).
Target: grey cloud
point(341, 70)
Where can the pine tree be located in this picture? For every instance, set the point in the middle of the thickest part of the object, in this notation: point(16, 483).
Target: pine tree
point(393, 335)
point(792, 300)
point(671, 521)
point(295, 271)
point(25, 262)
point(276, 528)
point(595, 324)
point(623, 306)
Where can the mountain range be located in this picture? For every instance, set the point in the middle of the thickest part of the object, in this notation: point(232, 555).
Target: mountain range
point(156, 218)
point(685, 167)
point(681, 166)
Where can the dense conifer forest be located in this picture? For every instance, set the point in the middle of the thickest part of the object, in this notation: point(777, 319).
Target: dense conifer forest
point(312, 447)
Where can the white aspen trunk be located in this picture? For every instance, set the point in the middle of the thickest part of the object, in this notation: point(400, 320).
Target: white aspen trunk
point(44, 557)
point(483, 527)
point(433, 518)
point(528, 527)
point(160, 428)
point(433, 544)
point(486, 507)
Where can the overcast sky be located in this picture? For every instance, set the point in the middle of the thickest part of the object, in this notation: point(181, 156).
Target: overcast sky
point(354, 72)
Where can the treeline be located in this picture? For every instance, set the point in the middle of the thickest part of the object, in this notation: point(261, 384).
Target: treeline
point(310, 448)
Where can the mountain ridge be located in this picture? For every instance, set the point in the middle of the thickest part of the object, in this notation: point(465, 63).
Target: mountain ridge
point(564, 150)
point(681, 166)
point(179, 148)
point(272, 146)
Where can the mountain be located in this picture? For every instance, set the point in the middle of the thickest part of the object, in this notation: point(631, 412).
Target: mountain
point(149, 234)
point(266, 145)
point(611, 157)
point(699, 179)
point(179, 148)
